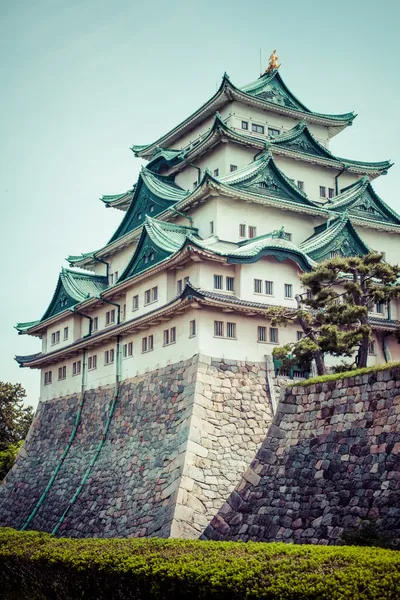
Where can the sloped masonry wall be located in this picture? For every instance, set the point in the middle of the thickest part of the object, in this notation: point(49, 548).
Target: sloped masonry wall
point(179, 440)
point(331, 458)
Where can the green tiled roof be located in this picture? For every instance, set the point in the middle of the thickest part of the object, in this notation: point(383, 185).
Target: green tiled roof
point(120, 201)
point(264, 178)
point(300, 140)
point(158, 241)
point(360, 200)
point(271, 88)
point(153, 194)
point(337, 236)
point(72, 287)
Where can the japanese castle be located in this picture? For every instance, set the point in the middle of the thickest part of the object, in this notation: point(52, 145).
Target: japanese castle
point(233, 205)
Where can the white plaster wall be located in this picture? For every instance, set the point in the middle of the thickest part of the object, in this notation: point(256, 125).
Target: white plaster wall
point(120, 260)
point(73, 324)
point(227, 214)
point(241, 112)
point(71, 385)
point(381, 241)
point(270, 269)
point(313, 176)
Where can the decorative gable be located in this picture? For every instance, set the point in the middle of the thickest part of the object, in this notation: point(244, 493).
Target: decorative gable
point(335, 238)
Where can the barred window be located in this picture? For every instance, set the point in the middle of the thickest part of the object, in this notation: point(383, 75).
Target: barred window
point(92, 362)
point(219, 328)
point(242, 230)
point(252, 231)
point(218, 282)
point(322, 191)
point(257, 128)
point(147, 297)
point(48, 377)
point(231, 330)
point(179, 286)
point(288, 290)
point(261, 334)
point(192, 328)
point(230, 284)
point(245, 125)
point(371, 348)
point(273, 132)
point(269, 288)
point(62, 372)
point(258, 286)
point(273, 335)
point(76, 367)
point(95, 325)
point(65, 333)
point(299, 335)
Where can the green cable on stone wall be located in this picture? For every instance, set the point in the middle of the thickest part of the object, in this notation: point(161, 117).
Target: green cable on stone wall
point(64, 454)
point(99, 447)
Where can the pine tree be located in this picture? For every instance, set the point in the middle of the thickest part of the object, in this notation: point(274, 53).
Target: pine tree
point(334, 316)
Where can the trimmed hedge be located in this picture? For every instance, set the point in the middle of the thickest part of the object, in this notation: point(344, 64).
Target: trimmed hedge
point(38, 566)
point(345, 374)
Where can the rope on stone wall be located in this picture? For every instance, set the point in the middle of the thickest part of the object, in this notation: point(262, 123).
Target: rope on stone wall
point(90, 467)
point(101, 444)
point(59, 465)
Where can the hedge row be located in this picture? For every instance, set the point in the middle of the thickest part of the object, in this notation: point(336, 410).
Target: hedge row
point(345, 374)
point(37, 566)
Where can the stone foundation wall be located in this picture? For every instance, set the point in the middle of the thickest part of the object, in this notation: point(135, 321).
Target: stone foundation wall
point(330, 460)
point(178, 442)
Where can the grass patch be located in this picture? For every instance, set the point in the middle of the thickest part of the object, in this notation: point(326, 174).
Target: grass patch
point(38, 566)
point(345, 374)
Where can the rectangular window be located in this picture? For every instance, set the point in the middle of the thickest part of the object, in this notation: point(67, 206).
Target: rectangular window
point(273, 132)
point(92, 362)
point(65, 333)
point(233, 168)
point(242, 230)
point(218, 282)
point(288, 290)
point(245, 125)
point(111, 278)
point(334, 254)
point(147, 343)
point(216, 172)
point(48, 377)
point(62, 373)
point(192, 328)
point(179, 286)
point(76, 367)
point(258, 286)
point(95, 325)
point(127, 350)
point(261, 334)
point(322, 191)
point(147, 297)
point(219, 328)
point(194, 185)
point(379, 307)
point(257, 128)
point(55, 337)
point(300, 185)
point(154, 293)
point(231, 330)
point(252, 231)
point(273, 335)
point(211, 227)
point(124, 312)
point(331, 192)
point(135, 302)
point(166, 337)
point(299, 335)
point(110, 317)
point(371, 348)
point(115, 276)
point(269, 288)
point(109, 356)
point(230, 284)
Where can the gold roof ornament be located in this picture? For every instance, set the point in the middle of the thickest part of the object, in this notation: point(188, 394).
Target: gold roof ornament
point(273, 62)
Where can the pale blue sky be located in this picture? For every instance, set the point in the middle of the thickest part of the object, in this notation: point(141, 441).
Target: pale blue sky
point(83, 80)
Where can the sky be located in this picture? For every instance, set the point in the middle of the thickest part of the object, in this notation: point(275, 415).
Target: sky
point(83, 80)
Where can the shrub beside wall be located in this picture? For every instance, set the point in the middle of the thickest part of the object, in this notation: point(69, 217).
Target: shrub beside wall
point(37, 566)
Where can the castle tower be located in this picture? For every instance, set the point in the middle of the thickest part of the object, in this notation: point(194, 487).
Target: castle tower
point(156, 386)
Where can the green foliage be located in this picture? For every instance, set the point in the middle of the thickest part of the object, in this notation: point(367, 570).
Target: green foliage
point(15, 419)
point(335, 318)
point(7, 458)
point(370, 533)
point(37, 566)
point(345, 374)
